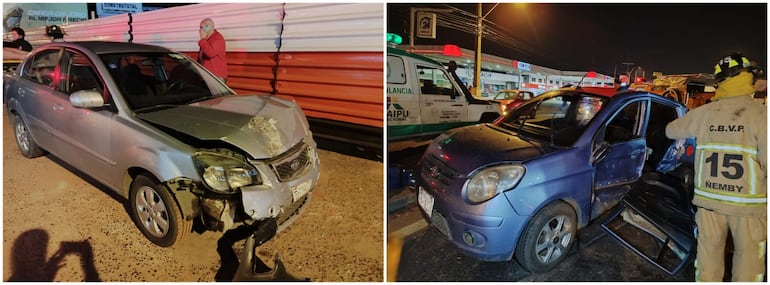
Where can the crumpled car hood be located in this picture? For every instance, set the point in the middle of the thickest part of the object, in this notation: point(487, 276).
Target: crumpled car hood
point(261, 126)
point(468, 148)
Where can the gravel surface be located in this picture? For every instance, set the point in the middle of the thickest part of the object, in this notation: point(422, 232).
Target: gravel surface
point(58, 226)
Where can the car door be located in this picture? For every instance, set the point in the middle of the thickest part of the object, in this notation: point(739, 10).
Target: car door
point(441, 104)
point(86, 133)
point(656, 218)
point(39, 102)
point(625, 146)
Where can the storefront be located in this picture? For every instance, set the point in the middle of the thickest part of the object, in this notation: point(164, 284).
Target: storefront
point(491, 82)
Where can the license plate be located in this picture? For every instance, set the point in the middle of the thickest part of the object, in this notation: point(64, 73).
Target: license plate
point(425, 200)
point(297, 191)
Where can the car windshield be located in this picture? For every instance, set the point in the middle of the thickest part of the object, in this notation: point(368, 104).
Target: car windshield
point(150, 80)
point(558, 118)
point(505, 95)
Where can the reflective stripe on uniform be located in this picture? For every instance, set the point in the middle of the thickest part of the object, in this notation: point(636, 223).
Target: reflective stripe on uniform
point(707, 193)
point(729, 198)
point(762, 248)
point(735, 148)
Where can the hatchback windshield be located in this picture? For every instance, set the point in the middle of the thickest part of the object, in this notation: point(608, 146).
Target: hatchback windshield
point(149, 80)
point(560, 119)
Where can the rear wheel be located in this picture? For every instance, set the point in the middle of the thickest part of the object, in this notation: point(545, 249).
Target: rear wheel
point(156, 213)
point(24, 139)
point(547, 238)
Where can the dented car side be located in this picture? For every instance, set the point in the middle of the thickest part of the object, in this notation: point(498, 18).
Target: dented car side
point(161, 131)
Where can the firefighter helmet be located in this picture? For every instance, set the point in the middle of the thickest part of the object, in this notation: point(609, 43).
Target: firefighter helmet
point(732, 65)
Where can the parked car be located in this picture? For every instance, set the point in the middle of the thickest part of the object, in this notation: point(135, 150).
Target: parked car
point(510, 99)
point(158, 129)
point(522, 186)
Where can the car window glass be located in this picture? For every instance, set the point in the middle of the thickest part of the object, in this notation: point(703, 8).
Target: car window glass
point(395, 70)
point(80, 74)
point(434, 81)
point(42, 67)
point(561, 119)
point(625, 123)
point(157, 79)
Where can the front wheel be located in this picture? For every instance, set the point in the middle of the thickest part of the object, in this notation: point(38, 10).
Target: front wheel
point(155, 212)
point(547, 238)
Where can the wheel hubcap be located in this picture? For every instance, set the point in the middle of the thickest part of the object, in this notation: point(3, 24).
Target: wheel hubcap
point(152, 211)
point(22, 137)
point(553, 239)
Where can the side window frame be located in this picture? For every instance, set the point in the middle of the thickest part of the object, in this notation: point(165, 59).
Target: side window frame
point(440, 79)
point(635, 131)
point(393, 71)
point(68, 74)
point(48, 59)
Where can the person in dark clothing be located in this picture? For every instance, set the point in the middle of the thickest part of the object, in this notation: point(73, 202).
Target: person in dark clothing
point(18, 40)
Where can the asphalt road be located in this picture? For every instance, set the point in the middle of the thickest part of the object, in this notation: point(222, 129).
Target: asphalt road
point(58, 225)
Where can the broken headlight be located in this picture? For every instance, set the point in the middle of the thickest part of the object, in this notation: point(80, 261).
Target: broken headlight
point(225, 174)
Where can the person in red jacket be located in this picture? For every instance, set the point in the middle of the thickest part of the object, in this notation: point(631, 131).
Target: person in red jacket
point(212, 53)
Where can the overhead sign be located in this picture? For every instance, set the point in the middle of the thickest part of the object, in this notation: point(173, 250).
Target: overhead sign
point(32, 15)
point(521, 65)
point(110, 9)
point(426, 25)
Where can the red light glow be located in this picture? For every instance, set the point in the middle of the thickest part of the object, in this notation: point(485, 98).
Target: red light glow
point(452, 50)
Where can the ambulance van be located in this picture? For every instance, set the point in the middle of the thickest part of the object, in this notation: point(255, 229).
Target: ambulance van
point(425, 99)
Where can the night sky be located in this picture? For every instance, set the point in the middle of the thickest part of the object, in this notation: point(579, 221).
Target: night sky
point(669, 38)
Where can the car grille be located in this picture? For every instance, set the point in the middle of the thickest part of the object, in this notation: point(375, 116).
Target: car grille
point(437, 171)
point(292, 163)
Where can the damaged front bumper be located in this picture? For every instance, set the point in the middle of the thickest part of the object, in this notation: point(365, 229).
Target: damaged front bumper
point(287, 186)
point(251, 268)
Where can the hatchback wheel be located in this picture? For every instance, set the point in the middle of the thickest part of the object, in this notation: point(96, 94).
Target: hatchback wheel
point(547, 238)
point(24, 141)
point(156, 213)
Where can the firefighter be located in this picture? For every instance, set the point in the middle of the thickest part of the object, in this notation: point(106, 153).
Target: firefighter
point(730, 180)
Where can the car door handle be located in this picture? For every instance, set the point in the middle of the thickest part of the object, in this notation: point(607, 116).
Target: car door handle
point(58, 107)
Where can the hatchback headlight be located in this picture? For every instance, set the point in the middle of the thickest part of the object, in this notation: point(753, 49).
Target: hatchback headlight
point(225, 174)
point(489, 182)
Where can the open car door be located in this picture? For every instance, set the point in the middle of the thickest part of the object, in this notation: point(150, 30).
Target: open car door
point(656, 220)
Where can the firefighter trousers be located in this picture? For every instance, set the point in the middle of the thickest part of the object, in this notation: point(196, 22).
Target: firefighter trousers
point(749, 238)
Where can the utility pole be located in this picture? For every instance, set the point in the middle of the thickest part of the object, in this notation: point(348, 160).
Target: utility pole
point(477, 73)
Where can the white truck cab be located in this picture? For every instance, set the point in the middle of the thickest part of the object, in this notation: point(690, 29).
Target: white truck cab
point(424, 98)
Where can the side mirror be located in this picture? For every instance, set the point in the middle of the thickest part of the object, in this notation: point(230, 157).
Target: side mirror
point(86, 99)
point(600, 151)
point(452, 66)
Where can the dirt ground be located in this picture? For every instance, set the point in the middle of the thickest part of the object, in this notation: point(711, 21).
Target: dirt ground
point(57, 226)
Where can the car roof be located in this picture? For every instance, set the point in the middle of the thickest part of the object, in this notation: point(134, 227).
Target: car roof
point(102, 47)
point(396, 51)
point(602, 91)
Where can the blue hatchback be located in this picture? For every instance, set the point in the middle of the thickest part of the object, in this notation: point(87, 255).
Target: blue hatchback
point(523, 185)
